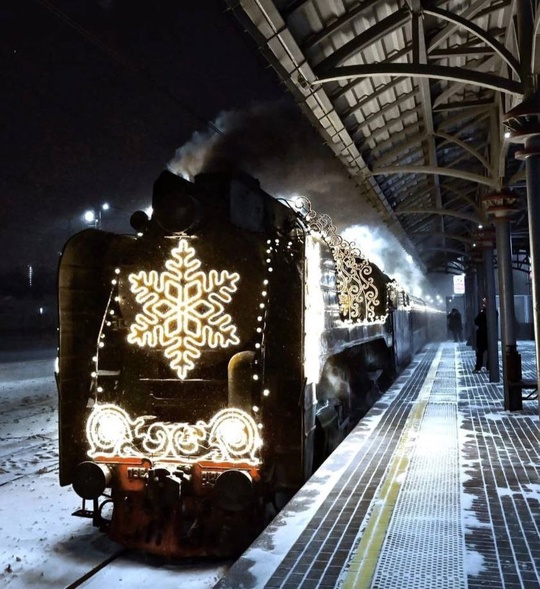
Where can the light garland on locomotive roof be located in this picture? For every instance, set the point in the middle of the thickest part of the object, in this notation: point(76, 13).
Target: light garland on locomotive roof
point(358, 296)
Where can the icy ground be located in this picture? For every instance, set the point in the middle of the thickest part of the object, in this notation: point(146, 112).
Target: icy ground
point(41, 544)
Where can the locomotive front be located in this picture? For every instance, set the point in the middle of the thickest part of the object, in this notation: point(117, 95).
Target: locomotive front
point(180, 367)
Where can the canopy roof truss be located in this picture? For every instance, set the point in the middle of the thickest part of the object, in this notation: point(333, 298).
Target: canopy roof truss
point(410, 97)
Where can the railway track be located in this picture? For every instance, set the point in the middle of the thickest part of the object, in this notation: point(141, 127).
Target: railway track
point(127, 568)
point(42, 544)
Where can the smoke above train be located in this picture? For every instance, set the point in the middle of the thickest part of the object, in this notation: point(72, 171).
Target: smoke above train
point(276, 144)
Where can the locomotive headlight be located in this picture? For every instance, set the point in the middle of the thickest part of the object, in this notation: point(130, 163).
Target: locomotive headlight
point(108, 429)
point(235, 433)
point(232, 432)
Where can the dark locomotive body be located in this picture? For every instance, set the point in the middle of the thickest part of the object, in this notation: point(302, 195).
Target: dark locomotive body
point(214, 360)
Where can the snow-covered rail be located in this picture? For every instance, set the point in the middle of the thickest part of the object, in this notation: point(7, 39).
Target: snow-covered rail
point(125, 568)
point(42, 544)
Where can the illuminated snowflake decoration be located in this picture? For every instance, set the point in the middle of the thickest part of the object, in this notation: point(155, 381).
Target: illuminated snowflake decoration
point(183, 309)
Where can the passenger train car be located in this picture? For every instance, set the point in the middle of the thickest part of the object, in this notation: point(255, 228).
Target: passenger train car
point(213, 359)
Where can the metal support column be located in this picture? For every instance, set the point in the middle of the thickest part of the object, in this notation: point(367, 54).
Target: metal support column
point(491, 311)
point(480, 283)
point(531, 154)
point(471, 304)
point(500, 207)
point(524, 124)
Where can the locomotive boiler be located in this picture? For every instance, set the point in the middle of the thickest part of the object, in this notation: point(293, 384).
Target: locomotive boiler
point(209, 362)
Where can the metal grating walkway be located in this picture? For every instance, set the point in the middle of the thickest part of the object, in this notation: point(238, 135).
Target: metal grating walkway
point(424, 541)
point(438, 488)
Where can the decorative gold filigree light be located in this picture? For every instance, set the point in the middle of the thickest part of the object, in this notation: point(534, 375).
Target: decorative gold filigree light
point(357, 294)
point(230, 436)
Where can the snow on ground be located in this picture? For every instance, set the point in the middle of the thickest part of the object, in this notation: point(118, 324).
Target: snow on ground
point(42, 544)
point(38, 533)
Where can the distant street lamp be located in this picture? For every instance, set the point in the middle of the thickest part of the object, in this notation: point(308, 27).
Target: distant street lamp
point(93, 217)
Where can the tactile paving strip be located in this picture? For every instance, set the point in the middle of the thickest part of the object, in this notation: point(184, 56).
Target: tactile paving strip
point(423, 545)
point(317, 558)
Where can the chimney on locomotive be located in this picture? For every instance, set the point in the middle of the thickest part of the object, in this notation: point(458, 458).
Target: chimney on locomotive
point(174, 207)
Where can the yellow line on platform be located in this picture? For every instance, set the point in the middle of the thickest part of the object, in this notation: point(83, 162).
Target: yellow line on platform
point(364, 561)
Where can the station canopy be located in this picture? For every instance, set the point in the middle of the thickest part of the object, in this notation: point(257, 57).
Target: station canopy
point(411, 97)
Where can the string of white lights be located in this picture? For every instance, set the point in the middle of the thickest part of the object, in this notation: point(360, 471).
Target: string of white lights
point(230, 436)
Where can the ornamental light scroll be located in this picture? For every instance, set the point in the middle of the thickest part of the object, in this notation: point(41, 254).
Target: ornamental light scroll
point(357, 294)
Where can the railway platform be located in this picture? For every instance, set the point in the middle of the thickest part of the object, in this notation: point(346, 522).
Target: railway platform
point(438, 487)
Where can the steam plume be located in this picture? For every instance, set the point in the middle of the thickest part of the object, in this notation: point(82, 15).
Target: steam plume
point(274, 143)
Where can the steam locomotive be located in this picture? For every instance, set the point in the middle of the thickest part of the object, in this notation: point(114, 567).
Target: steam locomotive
point(212, 360)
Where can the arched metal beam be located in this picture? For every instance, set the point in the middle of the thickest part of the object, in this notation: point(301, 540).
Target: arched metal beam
point(448, 213)
point(469, 13)
point(469, 25)
point(412, 70)
point(466, 147)
point(431, 170)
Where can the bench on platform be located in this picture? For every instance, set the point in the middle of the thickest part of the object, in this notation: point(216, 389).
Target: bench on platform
point(526, 384)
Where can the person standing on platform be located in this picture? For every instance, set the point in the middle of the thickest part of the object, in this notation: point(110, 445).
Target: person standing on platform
point(455, 325)
point(481, 337)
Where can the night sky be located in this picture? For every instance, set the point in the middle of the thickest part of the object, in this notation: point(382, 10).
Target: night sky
point(97, 95)
point(100, 96)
